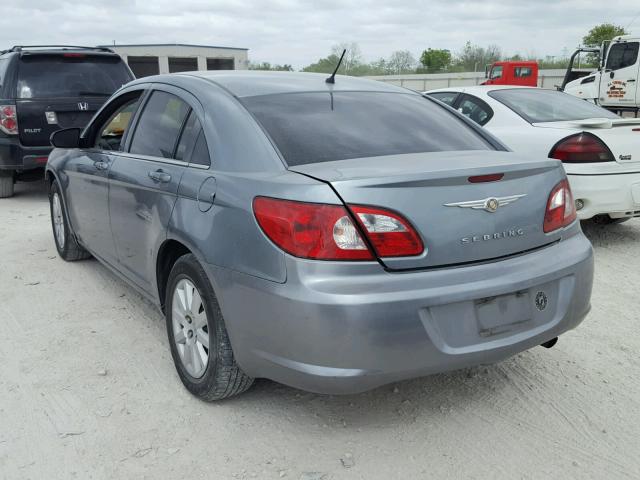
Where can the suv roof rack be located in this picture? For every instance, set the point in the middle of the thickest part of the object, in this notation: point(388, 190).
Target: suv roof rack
point(20, 48)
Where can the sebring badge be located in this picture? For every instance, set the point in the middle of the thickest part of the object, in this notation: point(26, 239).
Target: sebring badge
point(490, 204)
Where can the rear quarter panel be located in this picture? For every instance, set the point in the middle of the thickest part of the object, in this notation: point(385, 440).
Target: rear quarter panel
point(227, 234)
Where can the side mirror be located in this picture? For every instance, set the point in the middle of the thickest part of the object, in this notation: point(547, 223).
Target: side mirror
point(66, 138)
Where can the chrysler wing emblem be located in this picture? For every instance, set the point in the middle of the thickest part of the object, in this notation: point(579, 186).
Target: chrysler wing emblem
point(490, 204)
point(83, 106)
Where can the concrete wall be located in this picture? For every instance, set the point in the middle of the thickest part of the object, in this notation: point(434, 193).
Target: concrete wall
point(163, 52)
point(431, 81)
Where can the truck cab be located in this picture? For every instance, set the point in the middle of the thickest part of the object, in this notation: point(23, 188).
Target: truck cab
point(614, 85)
point(512, 73)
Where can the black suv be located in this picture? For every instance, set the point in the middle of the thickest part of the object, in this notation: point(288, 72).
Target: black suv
point(44, 89)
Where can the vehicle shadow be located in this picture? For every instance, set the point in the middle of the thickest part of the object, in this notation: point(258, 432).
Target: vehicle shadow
point(31, 191)
point(400, 403)
point(611, 235)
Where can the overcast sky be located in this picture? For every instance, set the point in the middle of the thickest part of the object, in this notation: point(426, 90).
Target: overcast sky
point(300, 32)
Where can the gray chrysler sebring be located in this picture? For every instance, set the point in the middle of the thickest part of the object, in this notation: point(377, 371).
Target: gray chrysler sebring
point(334, 237)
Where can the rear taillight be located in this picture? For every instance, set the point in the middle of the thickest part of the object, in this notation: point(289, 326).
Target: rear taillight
point(327, 232)
point(581, 148)
point(8, 119)
point(389, 233)
point(561, 210)
point(310, 230)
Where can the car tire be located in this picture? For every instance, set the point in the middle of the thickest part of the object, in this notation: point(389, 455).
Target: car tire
point(6, 184)
point(66, 244)
point(607, 220)
point(199, 342)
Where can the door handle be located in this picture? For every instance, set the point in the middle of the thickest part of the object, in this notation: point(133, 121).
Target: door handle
point(160, 176)
point(631, 80)
point(101, 165)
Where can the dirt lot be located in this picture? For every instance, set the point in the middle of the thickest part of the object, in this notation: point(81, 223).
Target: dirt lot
point(88, 389)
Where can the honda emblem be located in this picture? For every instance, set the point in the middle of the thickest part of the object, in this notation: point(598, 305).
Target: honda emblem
point(83, 106)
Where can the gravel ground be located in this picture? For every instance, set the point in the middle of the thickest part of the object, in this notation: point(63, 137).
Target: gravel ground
point(88, 389)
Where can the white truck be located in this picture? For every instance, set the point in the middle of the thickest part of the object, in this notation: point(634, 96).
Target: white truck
point(614, 85)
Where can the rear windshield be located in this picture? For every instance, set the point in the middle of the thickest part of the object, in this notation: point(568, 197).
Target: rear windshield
point(322, 127)
point(536, 105)
point(46, 76)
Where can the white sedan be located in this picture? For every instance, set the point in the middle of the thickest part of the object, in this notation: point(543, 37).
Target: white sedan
point(600, 151)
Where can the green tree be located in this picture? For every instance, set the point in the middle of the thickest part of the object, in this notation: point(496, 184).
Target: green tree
point(474, 58)
point(401, 61)
point(602, 32)
point(352, 61)
point(325, 65)
point(598, 34)
point(379, 67)
point(268, 66)
point(435, 60)
point(351, 64)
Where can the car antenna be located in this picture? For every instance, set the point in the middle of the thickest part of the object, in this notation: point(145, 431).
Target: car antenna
point(332, 78)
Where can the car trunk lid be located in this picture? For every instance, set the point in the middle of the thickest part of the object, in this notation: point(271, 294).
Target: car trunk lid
point(433, 190)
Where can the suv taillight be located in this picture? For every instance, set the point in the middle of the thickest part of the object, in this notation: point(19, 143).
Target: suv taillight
point(8, 119)
point(581, 148)
point(561, 210)
point(327, 232)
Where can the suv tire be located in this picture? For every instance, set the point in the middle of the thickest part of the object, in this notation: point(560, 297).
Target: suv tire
point(6, 184)
point(66, 244)
point(199, 342)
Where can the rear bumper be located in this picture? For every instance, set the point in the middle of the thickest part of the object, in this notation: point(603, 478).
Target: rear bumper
point(14, 156)
point(616, 195)
point(347, 328)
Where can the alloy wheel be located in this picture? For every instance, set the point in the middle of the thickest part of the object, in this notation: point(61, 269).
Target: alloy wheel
point(58, 220)
point(190, 328)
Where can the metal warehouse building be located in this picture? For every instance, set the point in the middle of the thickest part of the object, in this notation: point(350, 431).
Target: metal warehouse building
point(152, 59)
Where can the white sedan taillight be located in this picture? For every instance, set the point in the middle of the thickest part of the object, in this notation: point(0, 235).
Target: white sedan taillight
point(8, 119)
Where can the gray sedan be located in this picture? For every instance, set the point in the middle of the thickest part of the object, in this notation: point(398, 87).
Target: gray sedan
point(332, 237)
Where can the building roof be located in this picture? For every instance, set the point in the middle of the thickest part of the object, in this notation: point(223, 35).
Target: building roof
point(188, 45)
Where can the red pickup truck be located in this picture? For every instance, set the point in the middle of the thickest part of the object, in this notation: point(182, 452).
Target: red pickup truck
point(512, 73)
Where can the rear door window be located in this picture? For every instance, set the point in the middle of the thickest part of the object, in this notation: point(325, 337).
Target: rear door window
point(323, 126)
point(476, 109)
point(188, 137)
point(622, 55)
point(70, 75)
point(445, 97)
point(192, 146)
point(159, 127)
point(200, 154)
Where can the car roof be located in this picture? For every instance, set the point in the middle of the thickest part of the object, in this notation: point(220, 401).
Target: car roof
point(479, 89)
point(246, 83)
